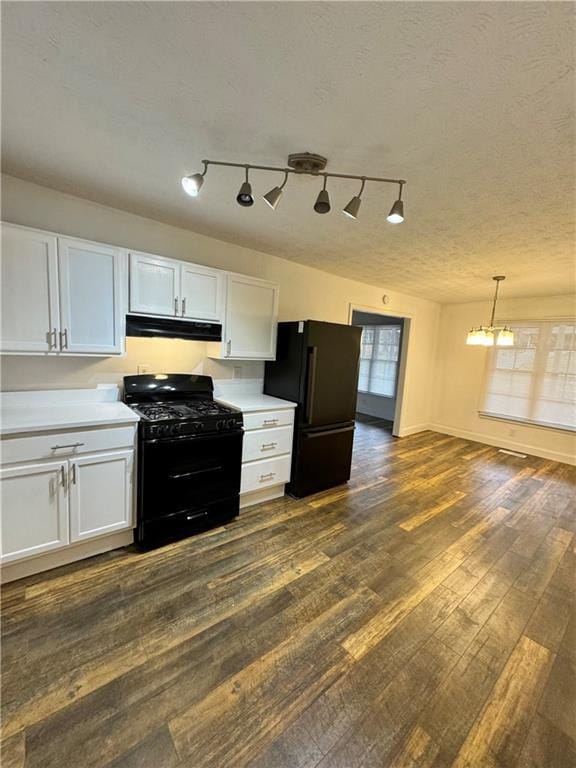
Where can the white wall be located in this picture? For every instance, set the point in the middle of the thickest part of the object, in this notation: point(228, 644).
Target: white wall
point(305, 293)
point(376, 405)
point(460, 374)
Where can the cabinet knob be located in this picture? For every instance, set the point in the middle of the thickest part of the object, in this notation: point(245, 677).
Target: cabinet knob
point(176, 305)
point(183, 307)
point(64, 339)
point(228, 347)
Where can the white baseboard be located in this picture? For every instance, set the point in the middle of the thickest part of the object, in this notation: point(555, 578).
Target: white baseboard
point(497, 442)
point(405, 431)
point(256, 497)
point(22, 568)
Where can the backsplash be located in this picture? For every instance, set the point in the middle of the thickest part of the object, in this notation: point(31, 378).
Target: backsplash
point(21, 372)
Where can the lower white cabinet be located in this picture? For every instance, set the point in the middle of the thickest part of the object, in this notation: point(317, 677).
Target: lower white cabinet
point(34, 509)
point(100, 494)
point(266, 455)
point(51, 504)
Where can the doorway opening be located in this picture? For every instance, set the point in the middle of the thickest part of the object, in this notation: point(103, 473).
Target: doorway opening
point(382, 369)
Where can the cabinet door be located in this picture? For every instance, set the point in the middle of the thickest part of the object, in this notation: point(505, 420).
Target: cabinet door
point(251, 318)
point(201, 292)
point(29, 290)
point(154, 285)
point(101, 494)
point(34, 509)
point(91, 301)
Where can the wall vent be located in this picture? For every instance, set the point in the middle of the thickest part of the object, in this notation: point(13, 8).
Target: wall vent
point(512, 453)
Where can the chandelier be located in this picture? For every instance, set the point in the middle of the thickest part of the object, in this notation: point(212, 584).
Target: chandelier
point(488, 335)
point(301, 163)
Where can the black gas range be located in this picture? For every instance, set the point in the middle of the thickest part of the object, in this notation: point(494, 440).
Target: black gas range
point(189, 456)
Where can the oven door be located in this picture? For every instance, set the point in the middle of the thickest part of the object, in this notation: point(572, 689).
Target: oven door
point(184, 473)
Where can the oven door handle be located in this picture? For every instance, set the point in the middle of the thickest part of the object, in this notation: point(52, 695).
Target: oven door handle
point(195, 472)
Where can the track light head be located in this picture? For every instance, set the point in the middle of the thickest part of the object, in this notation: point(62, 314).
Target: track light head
point(352, 208)
point(272, 198)
point(322, 204)
point(396, 215)
point(193, 184)
point(244, 196)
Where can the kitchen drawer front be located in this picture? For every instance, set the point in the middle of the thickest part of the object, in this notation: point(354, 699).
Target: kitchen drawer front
point(63, 445)
point(262, 474)
point(264, 443)
point(267, 419)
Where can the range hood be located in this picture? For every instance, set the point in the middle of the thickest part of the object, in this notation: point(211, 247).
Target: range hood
point(192, 330)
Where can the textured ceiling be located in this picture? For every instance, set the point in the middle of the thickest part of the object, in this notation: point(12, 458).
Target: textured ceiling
point(472, 103)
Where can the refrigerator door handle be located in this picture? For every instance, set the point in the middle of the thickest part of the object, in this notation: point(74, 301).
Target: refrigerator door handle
point(312, 357)
point(310, 435)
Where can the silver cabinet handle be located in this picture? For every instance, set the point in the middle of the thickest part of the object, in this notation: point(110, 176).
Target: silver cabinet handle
point(64, 339)
point(183, 307)
point(63, 474)
point(73, 472)
point(52, 338)
point(270, 421)
point(68, 445)
point(268, 446)
point(176, 305)
point(269, 476)
point(228, 347)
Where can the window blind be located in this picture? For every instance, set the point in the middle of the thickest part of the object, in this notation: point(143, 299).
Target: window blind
point(534, 381)
point(380, 349)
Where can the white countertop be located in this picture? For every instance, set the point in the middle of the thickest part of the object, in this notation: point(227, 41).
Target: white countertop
point(248, 403)
point(48, 410)
point(247, 396)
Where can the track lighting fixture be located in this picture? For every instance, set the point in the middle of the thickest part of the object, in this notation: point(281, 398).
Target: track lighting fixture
point(396, 215)
point(353, 206)
point(244, 196)
point(322, 204)
point(488, 335)
point(273, 197)
point(301, 163)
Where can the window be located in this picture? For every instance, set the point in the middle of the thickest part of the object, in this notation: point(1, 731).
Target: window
point(535, 380)
point(380, 349)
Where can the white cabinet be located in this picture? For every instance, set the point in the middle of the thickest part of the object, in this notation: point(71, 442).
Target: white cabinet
point(30, 314)
point(60, 296)
point(100, 494)
point(171, 288)
point(202, 292)
point(52, 504)
point(34, 509)
point(251, 320)
point(91, 318)
point(154, 285)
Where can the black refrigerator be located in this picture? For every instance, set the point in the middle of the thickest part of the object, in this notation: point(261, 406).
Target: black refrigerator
point(316, 366)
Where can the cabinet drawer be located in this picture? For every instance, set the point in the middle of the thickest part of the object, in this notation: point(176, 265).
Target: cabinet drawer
point(262, 443)
point(62, 445)
point(265, 419)
point(262, 474)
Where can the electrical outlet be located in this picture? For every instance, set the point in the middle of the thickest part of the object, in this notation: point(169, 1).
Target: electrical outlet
point(143, 368)
point(237, 372)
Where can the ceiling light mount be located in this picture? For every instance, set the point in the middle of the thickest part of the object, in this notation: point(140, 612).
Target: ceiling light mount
point(306, 162)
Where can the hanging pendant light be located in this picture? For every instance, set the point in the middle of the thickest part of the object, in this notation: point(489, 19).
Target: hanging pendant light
point(490, 335)
point(351, 210)
point(244, 196)
point(322, 204)
point(273, 197)
point(396, 215)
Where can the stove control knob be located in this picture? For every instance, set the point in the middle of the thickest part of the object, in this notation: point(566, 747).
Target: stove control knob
point(231, 423)
point(198, 426)
point(220, 424)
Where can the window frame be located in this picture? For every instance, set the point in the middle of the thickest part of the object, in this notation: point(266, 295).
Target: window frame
point(536, 383)
point(376, 328)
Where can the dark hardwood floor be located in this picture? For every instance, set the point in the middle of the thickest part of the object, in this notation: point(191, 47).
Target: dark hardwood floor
point(421, 616)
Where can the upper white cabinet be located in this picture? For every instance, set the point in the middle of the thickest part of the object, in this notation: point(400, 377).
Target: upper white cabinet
point(251, 320)
point(154, 285)
point(30, 313)
point(91, 317)
point(171, 288)
point(60, 295)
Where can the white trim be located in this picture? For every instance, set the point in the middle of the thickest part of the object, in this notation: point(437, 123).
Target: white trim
point(527, 422)
point(260, 496)
point(414, 429)
point(498, 442)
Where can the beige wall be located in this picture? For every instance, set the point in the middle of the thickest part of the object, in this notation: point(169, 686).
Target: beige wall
point(305, 293)
point(460, 374)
